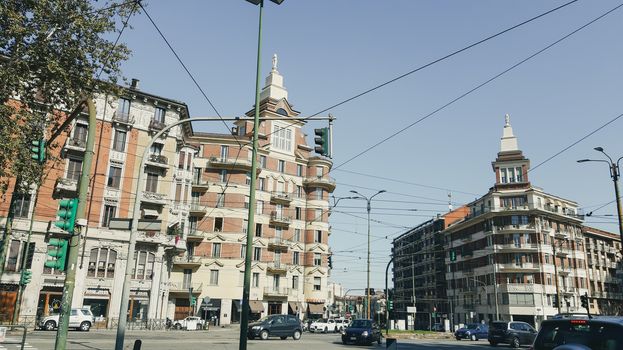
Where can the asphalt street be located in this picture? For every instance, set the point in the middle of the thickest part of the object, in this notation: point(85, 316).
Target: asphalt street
point(226, 339)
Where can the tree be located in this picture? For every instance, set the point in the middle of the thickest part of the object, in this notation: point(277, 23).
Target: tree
point(53, 53)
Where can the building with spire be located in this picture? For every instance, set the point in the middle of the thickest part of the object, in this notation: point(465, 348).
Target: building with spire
point(519, 254)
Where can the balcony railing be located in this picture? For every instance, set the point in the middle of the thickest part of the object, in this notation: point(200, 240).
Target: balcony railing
point(277, 291)
point(156, 125)
point(197, 208)
point(278, 243)
point(279, 219)
point(276, 266)
point(230, 163)
point(76, 144)
point(68, 185)
point(194, 235)
point(280, 197)
point(182, 287)
point(154, 197)
point(200, 184)
point(158, 160)
point(187, 261)
point(123, 118)
point(320, 181)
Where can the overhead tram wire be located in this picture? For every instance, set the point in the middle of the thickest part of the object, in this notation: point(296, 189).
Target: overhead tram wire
point(477, 87)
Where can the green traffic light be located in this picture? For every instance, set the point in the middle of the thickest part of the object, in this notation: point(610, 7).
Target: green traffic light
point(322, 141)
point(59, 254)
point(38, 150)
point(67, 212)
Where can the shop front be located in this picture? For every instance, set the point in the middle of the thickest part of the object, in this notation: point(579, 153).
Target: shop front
point(98, 300)
point(49, 301)
point(138, 307)
point(8, 298)
point(315, 310)
point(211, 311)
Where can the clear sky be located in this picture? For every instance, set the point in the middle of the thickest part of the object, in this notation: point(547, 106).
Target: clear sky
point(331, 50)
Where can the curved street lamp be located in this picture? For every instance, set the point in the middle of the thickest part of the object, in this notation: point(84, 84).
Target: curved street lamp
point(368, 200)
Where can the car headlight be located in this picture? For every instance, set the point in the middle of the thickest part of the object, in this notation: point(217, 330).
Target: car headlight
point(255, 328)
point(364, 334)
point(467, 334)
point(343, 331)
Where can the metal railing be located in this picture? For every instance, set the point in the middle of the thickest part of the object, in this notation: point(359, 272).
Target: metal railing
point(158, 158)
point(14, 339)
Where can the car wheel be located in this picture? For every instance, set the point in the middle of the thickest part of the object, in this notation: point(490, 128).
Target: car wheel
point(296, 335)
point(264, 335)
point(85, 326)
point(178, 326)
point(49, 325)
point(473, 337)
point(515, 342)
point(458, 338)
point(326, 330)
point(198, 327)
point(492, 343)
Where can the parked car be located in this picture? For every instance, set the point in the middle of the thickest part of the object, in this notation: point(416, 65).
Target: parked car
point(282, 326)
point(190, 322)
point(597, 333)
point(513, 333)
point(340, 324)
point(362, 331)
point(80, 319)
point(323, 325)
point(473, 331)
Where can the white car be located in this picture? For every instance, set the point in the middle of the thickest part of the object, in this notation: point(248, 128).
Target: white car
point(190, 322)
point(328, 325)
point(80, 319)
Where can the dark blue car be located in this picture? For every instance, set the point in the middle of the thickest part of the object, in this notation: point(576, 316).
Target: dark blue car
point(473, 331)
point(362, 331)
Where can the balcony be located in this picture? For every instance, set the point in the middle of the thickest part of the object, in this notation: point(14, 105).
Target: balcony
point(280, 197)
point(277, 243)
point(122, 118)
point(561, 235)
point(562, 252)
point(230, 163)
point(65, 185)
point(158, 160)
point(517, 247)
point(187, 261)
point(155, 198)
point(184, 288)
point(194, 236)
point(564, 270)
point(320, 181)
point(156, 125)
point(467, 238)
point(277, 267)
point(200, 185)
point(276, 292)
point(197, 209)
point(512, 267)
point(279, 220)
point(74, 144)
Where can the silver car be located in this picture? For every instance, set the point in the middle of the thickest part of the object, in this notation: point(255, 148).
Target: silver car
point(80, 319)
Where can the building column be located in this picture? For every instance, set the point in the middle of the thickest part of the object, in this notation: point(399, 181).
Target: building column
point(154, 294)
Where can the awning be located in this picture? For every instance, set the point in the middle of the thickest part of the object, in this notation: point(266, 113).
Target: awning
point(315, 309)
point(212, 305)
point(294, 306)
point(256, 306)
point(150, 213)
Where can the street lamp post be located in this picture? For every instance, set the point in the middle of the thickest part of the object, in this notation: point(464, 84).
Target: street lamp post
point(614, 174)
point(368, 200)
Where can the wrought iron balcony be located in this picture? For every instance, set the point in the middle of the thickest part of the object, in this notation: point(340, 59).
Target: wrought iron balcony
point(154, 197)
point(276, 291)
point(278, 243)
point(184, 288)
point(158, 160)
point(66, 185)
point(320, 181)
point(277, 267)
point(156, 125)
point(279, 219)
point(280, 197)
point(122, 118)
point(187, 261)
point(76, 144)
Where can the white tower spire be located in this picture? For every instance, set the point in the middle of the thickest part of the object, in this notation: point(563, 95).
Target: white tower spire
point(508, 141)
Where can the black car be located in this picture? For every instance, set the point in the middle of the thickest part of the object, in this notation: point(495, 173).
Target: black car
point(598, 333)
point(282, 326)
point(362, 331)
point(511, 332)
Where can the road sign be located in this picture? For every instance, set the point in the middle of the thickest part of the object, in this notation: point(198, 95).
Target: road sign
point(347, 315)
point(411, 309)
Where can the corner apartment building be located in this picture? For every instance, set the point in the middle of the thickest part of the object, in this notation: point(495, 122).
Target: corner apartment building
point(603, 258)
point(517, 248)
point(124, 126)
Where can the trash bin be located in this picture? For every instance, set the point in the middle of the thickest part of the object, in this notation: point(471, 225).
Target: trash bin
point(391, 343)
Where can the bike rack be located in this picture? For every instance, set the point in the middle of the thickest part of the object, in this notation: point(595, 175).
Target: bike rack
point(11, 327)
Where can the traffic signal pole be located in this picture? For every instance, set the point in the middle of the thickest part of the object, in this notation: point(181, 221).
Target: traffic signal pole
point(74, 243)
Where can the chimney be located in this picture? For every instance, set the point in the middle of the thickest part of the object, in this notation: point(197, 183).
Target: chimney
point(134, 84)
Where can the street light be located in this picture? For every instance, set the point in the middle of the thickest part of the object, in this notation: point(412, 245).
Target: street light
point(368, 200)
point(244, 317)
point(614, 174)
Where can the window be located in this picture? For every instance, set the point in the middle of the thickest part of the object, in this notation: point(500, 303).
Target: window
point(102, 263)
point(74, 169)
point(218, 224)
point(258, 230)
point(299, 191)
point(282, 138)
point(503, 177)
point(220, 200)
point(317, 282)
point(119, 140)
point(159, 114)
point(14, 252)
point(319, 171)
point(80, 132)
point(263, 162)
point(114, 177)
point(223, 176)
point(245, 225)
point(318, 193)
point(519, 174)
point(511, 175)
point(297, 213)
point(156, 149)
point(295, 282)
point(297, 234)
point(181, 160)
point(261, 183)
point(259, 207)
point(192, 224)
point(318, 237)
point(224, 151)
point(318, 215)
point(216, 250)
point(214, 277)
point(243, 251)
point(278, 232)
point(296, 258)
point(255, 281)
point(257, 253)
point(21, 205)
point(143, 265)
point(247, 179)
point(109, 213)
point(178, 192)
point(189, 160)
point(317, 259)
point(123, 108)
point(281, 166)
point(246, 202)
point(299, 170)
point(152, 182)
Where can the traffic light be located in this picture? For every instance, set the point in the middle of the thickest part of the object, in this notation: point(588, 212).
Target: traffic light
point(390, 305)
point(59, 253)
point(555, 300)
point(584, 300)
point(193, 301)
point(26, 277)
point(322, 142)
point(68, 209)
point(330, 262)
point(38, 150)
point(452, 255)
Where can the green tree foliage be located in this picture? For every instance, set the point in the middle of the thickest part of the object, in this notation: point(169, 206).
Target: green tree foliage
point(52, 53)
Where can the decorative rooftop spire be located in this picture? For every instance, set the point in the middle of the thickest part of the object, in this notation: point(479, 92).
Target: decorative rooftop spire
point(274, 62)
point(508, 141)
point(274, 84)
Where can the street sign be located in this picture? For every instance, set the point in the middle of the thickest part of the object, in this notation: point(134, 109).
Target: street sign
point(347, 315)
point(411, 309)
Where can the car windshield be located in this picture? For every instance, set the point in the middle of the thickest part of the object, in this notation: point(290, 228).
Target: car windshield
point(471, 326)
point(499, 325)
point(597, 336)
point(361, 324)
point(264, 319)
point(322, 320)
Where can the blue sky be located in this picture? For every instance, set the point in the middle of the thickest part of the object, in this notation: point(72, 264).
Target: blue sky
point(331, 50)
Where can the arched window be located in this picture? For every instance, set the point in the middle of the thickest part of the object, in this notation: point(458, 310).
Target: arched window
point(282, 112)
point(102, 263)
point(143, 265)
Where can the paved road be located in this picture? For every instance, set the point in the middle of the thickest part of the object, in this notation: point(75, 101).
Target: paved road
point(226, 339)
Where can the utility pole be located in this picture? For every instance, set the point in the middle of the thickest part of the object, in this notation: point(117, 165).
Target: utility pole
point(74, 243)
point(8, 226)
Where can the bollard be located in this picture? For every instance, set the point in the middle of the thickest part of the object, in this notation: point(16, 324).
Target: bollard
point(137, 344)
point(391, 343)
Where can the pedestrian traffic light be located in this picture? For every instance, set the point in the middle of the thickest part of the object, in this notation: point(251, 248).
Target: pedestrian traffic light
point(390, 305)
point(68, 209)
point(193, 301)
point(322, 142)
point(452, 255)
point(584, 300)
point(59, 253)
point(26, 277)
point(38, 150)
